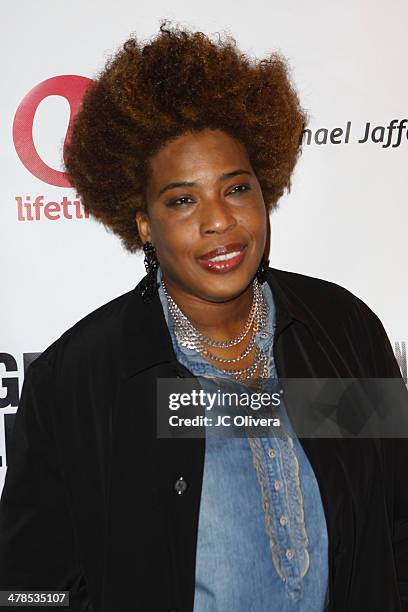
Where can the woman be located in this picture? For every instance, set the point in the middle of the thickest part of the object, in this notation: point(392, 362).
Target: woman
point(183, 146)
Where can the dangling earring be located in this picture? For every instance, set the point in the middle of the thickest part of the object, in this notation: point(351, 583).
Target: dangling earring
point(149, 284)
point(262, 269)
point(150, 259)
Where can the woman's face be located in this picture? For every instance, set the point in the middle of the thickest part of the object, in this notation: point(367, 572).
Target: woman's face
point(206, 215)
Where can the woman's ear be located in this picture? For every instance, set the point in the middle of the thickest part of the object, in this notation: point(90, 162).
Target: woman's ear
point(143, 225)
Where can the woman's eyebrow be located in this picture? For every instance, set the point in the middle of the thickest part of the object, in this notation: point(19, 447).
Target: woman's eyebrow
point(222, 177)
point(175, 184)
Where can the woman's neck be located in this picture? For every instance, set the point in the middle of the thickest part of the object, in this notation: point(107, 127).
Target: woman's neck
point(217, 320)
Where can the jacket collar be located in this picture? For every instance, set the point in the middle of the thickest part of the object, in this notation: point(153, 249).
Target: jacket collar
point(146, 340)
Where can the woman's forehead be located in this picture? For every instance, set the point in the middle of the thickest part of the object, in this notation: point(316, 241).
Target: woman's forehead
point(192, 156)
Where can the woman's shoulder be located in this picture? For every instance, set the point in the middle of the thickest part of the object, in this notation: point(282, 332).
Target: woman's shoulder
point(310, 285)
point(95, 334)
point(330, 306)
point(319, 294)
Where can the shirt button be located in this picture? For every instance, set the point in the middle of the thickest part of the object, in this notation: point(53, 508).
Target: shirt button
point(271, 453)
point(180, 485)
point(278, 485)
point(263, 334)
point(281, 391)
point(283, 520)
point(289, 554)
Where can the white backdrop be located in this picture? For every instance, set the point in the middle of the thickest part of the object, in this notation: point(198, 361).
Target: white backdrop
point(345, 219)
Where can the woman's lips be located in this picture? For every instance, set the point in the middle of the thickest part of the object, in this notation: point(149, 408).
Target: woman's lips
point(223, 259)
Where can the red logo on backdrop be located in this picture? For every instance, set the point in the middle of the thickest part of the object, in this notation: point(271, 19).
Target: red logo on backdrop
point(72, 88)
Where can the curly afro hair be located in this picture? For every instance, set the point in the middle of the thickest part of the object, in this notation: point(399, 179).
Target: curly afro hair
point(179, 81)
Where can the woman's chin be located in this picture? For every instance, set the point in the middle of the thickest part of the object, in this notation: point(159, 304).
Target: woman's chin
point(226, 286)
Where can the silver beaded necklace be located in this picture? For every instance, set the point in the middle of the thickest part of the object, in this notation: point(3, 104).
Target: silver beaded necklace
point(190, 337)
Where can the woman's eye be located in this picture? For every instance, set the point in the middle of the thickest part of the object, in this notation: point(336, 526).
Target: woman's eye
point(178, 202)
point(239, 187)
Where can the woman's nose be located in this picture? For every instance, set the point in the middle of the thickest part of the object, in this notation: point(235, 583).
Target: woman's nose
point(216, 217)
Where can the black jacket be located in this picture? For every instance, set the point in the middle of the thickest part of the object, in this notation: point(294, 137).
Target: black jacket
point(89, 502)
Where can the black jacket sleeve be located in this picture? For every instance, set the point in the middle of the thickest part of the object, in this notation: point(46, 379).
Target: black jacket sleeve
point(37, 539)
point(395, 450)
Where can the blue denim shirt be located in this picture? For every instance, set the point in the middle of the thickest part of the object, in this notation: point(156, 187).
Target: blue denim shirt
point(262, 541)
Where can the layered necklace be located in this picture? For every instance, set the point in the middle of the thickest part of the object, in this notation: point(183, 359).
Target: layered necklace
point(190, 337)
